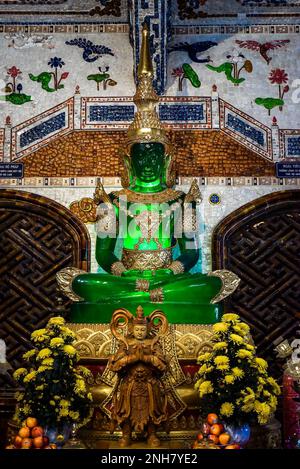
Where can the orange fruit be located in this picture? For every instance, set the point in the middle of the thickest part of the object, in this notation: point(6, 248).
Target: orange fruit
point(26, 443)
point(232, 447)
point(224, 438)
point(214, 439)
point(200, 436)
point(24, 432)
point(38, 442)
point(216, 429)
point(31, 422)
point(37, 431)
point(18, 441)
point(212, 418)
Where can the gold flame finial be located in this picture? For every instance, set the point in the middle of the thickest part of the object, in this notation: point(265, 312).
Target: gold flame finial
point(146, 126)
point(145, 66)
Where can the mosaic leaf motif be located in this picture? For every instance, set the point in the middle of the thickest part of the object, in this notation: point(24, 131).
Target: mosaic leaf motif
point(232, 69)
point(45, 78)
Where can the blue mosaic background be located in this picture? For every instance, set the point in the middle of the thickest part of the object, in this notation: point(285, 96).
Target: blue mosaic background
point(115, 113)
point(245, 129)
point(42, 130)
point(293, 146)
point(181, 112)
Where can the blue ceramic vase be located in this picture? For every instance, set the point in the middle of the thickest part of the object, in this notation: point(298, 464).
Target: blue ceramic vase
point(240, 434)
point(52, 433)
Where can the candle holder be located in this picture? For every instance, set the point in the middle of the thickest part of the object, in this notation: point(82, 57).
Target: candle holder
point(283, 349)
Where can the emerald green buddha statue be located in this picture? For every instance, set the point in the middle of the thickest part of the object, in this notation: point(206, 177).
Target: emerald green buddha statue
point(150, 220)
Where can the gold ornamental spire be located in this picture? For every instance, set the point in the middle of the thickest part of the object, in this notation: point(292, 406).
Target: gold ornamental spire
point(146, 126)
point(145, 66)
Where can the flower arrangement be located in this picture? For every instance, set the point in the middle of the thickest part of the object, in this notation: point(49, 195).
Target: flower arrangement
point(54, 386)
point(233, 382)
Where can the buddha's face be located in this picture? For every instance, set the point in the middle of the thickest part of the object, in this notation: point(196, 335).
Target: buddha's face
point(140, 331)
point(148, 160)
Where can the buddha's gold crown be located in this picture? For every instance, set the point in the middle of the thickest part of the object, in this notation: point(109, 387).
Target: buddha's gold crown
point(146, 126)
point(139, 319)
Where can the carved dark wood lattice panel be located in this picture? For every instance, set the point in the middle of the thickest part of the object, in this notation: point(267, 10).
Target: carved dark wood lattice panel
point(38, 237)
point(260, 242)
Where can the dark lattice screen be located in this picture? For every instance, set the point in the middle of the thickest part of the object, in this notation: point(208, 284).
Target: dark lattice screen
point(260, 242)
point(38, 237)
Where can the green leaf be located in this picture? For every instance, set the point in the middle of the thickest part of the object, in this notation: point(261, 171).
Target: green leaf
point(269, 103)
point(191, 75)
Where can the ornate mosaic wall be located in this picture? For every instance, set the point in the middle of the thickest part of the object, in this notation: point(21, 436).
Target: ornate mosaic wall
point(228, 79)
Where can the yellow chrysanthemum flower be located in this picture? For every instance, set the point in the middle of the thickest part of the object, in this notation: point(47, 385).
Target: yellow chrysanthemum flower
point(220, 327)
point(237, 372)
point(221, 360)
point(203, 369)
point(42, 368)
point(247, 407)
point(237, 339)
point(274, 385)
point(56, 342)
point(66, 332)
point(26, 409)
point(79, 387)
point(69, 350)
point(40, 387)
point(29, 354)
point(74, 415)
point(273, 401)
point(57, 321)
point(244, 326)
point(30, 377)
point(84, 371)
point(250, 347)
point(205, 388)
point(229, 379)
point(263, 410)
point(227, 409)
point(38, 333)
point(52, 402)
point(240, 330)
point(261, 363)
point(230, 317)
point(220, 346)
point(19, 373)
point(242, 353)
point(48, 362)
point(204, 357)
point(20, 396)
point(44, 353)
point(64, 403)
point(64, 412)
